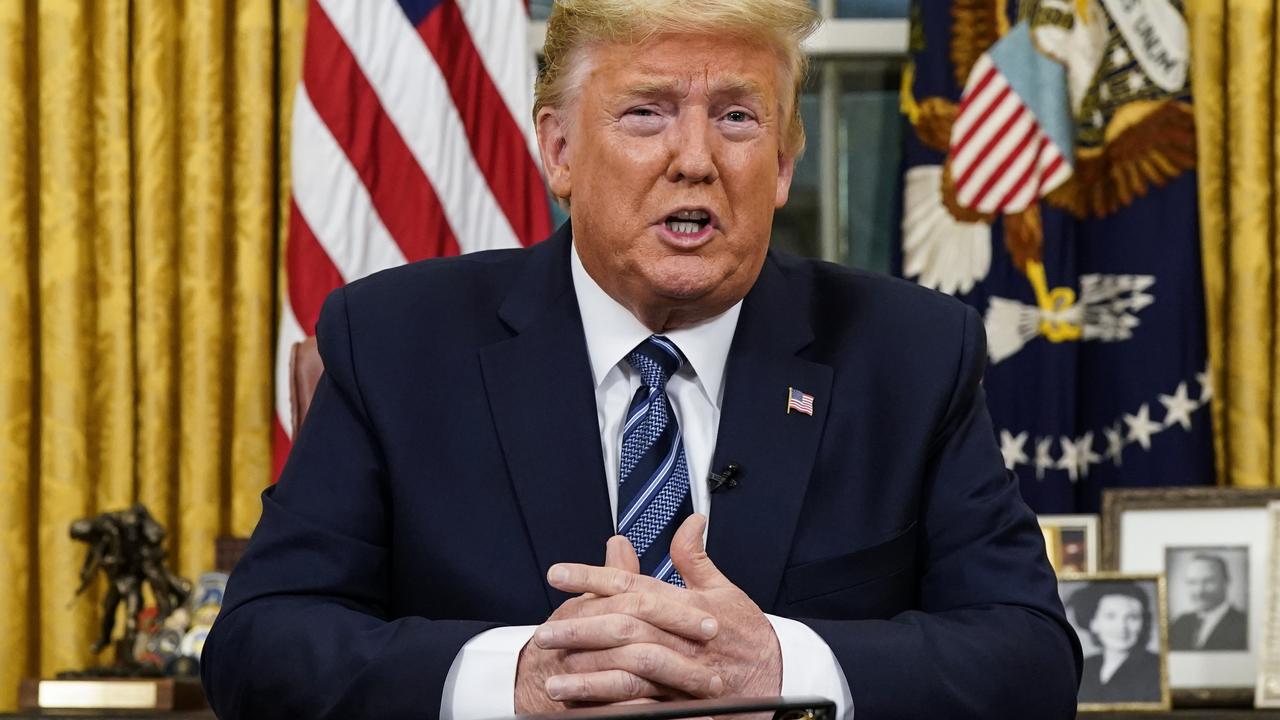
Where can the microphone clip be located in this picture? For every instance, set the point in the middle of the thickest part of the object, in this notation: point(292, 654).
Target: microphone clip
point(726, 479)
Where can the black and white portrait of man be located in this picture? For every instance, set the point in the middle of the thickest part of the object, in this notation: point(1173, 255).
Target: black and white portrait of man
point(1208, 598)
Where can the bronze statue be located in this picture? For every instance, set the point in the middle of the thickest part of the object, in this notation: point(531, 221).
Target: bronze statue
point(128, 546)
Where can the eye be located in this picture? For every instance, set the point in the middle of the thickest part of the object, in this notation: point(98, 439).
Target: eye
point(642, 112)
point(738, 116)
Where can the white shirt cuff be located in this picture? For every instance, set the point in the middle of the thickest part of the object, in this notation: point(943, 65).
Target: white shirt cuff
point(809, 667)
point(482, 680)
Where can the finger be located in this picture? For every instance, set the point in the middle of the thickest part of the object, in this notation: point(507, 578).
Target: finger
point(604, 686)
point(690, 556)
point(603, 581)
point(647, 670)
point(620, 555)
point(601, 632)
point(670, 614)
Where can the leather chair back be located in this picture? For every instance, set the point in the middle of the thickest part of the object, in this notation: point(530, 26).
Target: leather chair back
point(305, 369)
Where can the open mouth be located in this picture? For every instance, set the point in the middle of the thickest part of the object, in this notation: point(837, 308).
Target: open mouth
point(688, 222)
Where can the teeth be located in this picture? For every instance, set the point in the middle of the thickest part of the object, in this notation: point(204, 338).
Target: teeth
point(684, 228)
point(693, 215)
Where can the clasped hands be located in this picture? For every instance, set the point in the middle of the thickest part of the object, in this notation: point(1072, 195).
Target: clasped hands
point(633, 638)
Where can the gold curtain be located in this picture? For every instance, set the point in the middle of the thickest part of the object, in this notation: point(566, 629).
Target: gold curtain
point(1236, 79)
point(142, 194)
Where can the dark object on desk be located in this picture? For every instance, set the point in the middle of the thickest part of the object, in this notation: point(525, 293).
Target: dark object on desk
point(783, 708)
point(128, 547)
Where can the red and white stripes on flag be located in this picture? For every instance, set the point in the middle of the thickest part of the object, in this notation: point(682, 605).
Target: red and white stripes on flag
point(411, 139)
point(1002, 158)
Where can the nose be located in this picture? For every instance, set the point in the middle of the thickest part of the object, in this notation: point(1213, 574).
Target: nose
point(691, 151)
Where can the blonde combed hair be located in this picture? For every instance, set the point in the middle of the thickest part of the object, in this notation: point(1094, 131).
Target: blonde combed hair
point(575, 25)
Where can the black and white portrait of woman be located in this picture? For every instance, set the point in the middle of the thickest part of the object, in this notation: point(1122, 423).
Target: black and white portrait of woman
point(1118, 621)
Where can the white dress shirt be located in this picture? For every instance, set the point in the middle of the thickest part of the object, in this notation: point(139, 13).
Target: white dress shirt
point(488, 661)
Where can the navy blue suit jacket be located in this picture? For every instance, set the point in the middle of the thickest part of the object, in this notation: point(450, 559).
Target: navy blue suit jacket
point(451, 455)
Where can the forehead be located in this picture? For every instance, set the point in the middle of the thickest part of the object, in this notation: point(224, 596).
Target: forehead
point(1200, 566)
point(1117, 603)
point(686, 64)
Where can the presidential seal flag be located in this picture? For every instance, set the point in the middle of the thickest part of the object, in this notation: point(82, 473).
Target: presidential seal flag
point(1050, 183)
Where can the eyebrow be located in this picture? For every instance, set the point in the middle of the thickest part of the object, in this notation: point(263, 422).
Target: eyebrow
point(666, 88)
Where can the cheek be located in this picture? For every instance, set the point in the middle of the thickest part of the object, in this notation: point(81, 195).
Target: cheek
point(751, 185)
point(618, 174)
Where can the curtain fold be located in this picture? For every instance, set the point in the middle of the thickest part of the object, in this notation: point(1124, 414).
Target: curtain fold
point(17, 400)
point(155, 96)
point(140, 216)
point(204, 248)
point(1235, 60)
point(65, 276)
point(256, 163)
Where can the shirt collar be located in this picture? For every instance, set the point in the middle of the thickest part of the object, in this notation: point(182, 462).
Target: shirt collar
point(612, 332)
point(1212, 616)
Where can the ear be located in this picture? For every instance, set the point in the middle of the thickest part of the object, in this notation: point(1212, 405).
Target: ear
point(786, 171)
point(553, 144)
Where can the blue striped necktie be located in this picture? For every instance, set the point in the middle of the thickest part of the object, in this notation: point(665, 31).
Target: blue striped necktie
point(653, 478)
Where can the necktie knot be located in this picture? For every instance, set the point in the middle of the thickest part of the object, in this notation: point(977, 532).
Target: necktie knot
point(656, 359)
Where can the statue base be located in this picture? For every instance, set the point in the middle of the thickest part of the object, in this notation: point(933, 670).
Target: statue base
point(111, 693)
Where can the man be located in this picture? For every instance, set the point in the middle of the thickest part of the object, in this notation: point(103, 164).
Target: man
point(441, 538)
point(1213, 623)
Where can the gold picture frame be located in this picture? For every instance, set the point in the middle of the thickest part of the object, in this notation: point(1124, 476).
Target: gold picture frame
point(1135, 679)
point(1267, 693)
point(1164, 523)
point(1071, 542)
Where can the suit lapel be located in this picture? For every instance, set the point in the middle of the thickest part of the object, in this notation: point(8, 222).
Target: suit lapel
point(753, 524)
point(540, 391)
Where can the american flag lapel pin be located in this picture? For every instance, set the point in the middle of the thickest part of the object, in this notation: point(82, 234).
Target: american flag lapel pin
point(801, 402)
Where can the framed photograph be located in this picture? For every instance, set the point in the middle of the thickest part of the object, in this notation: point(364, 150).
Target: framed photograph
point(1213, 546)
point(1268, 690)
point(1071, 541)
point(1123, 628)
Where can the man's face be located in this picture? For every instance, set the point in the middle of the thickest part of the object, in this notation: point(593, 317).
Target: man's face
point(671, 157)
point(1206, 587)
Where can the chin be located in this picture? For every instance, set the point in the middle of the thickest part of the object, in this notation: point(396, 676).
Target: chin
point(683, 282)
point(683, 292)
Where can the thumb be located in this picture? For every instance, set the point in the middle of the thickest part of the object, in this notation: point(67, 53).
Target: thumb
point(619, 554)
point(690, 556)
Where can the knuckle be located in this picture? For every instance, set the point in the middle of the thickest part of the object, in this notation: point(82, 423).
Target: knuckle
point(646, 661)
point(694, 679)
point(625, 628)
point(646, 604)
point(630, 686)
point(620, 582)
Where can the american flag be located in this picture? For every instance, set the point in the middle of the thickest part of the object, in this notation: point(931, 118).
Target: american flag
point(411, 139)
point(1011, 142)
point(799, 401)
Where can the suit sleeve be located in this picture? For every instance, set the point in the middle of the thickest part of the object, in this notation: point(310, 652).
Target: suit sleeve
point(989, 638)
point(305, 630)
